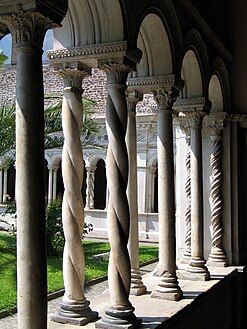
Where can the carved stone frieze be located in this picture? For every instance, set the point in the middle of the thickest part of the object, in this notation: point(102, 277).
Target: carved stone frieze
point(191, 104)
point(147, 84)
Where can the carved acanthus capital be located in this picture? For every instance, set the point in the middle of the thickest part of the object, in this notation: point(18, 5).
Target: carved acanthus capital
point(28, 29)
point(73, 75)
point(184, 124)
point(116, 73)
point(164, 98)
point(133, 97)
point(216, 123)
point(195, 120)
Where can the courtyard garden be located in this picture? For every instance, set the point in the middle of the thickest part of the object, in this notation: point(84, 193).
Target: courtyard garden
point(94, 267)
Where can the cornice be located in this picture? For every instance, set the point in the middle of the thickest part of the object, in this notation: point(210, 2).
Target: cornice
point(92, 54)
point(192, 104)
point(148, 84)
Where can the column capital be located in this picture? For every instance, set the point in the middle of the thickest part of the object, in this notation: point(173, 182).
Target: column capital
point(195, 119)
point(73, 75)
point(165, 98)
point(133, 97)
point(91, 169)
point(184, 124)
point(28, 21)
point(116, 72)
point(216, 123)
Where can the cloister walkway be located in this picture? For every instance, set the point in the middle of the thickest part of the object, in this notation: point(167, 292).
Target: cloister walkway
point(149, 309)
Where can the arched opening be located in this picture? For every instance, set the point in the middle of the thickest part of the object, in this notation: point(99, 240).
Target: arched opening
point(46, 170)
point(100, 186)
point(60, 186)
point(215, 94)
point(11, 182)
point(191, 74)
point(156, 52)
point(84, 184)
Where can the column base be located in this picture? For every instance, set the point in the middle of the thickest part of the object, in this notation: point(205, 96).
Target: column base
point(137, 287)
point(117, 318)
point(217, 257)
point(75, 313)
point(168, 288)
point(196, 270)
point(186, 256)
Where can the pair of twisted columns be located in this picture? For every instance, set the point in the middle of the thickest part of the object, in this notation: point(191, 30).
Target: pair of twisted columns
point(217, 255)
point(137, 287)
point(167, 287)
point(120, 312)
point(90, 188)
point(28, 30)
point(74, 308)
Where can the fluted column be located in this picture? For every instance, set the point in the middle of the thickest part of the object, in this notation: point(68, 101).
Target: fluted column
point(74, 308)
point(187, 241)
point(54, 182)
point(90, 188)
point(50, 183)
point(217, 255)
point(167, 287)
point(120, 312)
point(196, 269)
point(137, 287)
point(5, 184)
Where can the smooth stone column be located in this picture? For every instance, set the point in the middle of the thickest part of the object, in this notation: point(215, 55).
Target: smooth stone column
point(137, 287)
point(120, 312)
point(28, 30)
point(187, 249)
point(5, 184)
point(1, 186)
point(217, 256)
point(50, 183)
point(54, 182)
point(167, 287)
point(196, 269)
point(74, 308)
point(90, 188)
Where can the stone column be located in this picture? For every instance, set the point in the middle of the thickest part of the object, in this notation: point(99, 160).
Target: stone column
point(90, 188)
point(137, 287)
point(187, 249)
point(217, 255)
point(54, 182)
point(120, 312)
point(5, 184)
point(28, 30)
point(1, 186)
point(196, 269)
point(50, 183)
point(74, 308)
point(167, 287)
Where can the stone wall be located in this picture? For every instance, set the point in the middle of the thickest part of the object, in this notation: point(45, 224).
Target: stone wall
point(94, 88)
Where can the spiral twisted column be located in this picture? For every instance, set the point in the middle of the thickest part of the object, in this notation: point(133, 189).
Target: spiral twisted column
point(196, 269)
point(187, 249)
point(120, 312)
point(167, 287)
point(74, 308)
point(217, 255)
point(90, 188)
point(137, 287)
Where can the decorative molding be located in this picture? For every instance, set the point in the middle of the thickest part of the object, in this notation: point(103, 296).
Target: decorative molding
point(192, 104)
point(148, 84)
point(91, 54)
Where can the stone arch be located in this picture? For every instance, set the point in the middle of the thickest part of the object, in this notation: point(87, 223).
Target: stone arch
point(159, 36)
point(219, 87)
point(11, 174)
point(90, 22)
point(195, 66)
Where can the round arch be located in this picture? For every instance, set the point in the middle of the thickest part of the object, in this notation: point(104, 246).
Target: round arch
point(90, 22)
point(215, 94)
point(100, 185)
point(197, 57)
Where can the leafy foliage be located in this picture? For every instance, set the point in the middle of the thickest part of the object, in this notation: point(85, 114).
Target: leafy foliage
point(3, 58)
point(7, 128)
